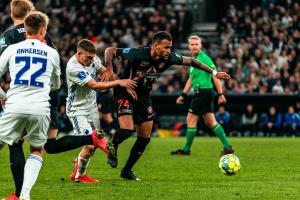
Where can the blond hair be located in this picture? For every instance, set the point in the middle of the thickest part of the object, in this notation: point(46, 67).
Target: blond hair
point(20, 8)
point(34, 21)
point(194, 37)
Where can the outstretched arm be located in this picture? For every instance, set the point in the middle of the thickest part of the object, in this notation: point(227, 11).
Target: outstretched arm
point(189, 61)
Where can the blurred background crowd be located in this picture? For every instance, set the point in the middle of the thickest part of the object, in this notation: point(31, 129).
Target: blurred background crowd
point(258, 44)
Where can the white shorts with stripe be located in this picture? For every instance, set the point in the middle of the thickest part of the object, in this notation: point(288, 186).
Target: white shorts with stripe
point(12, 126)
point(85, 124)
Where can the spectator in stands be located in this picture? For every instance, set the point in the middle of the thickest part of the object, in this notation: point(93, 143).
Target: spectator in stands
point(223, 118)
point(291, 122)
point(272, 122)
point(249, 121)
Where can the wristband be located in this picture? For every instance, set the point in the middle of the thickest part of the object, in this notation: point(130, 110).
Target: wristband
point(184, 95)
point(220, 94)
point(214, 72)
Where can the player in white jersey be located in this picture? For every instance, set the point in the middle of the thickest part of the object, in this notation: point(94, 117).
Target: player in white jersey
point(81, 72)
point(34, 70)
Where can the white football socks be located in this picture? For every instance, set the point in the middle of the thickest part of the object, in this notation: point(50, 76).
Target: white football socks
point(31, 172)
point(82, 165)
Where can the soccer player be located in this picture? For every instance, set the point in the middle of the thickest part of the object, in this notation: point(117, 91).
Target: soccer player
point(19, 9)
point(34, 69)
point(105, 111)
point(203, 102)
point(82, 69)
point(144, 66)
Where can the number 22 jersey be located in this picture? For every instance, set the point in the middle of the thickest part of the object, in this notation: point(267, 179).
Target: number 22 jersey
point(32, 64)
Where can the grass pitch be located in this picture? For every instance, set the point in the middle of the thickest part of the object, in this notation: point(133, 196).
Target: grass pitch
point(270, 170)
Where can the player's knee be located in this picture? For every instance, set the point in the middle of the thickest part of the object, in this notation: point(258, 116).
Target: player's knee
point(210, 123)
point(191, 121)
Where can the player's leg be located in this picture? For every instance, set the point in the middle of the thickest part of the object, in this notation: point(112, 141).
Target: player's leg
point(31, 171)
point(86, 125)
point(126, 130)
point(211, 122)
point(191, 121)
point(124, 109)
point(37, 128)
point(66, 143)
point(17, 158)
point(17, 164)
point(143, 138)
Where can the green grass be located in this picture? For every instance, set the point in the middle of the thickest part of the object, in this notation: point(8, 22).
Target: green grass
point(270, 170)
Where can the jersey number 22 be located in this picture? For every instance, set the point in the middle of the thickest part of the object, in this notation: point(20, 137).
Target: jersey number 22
point(28, 61)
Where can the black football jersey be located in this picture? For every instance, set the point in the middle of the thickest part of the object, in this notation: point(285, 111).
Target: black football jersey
point(142, 68)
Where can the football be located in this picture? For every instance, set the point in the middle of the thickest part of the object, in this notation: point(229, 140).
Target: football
point(229, 164)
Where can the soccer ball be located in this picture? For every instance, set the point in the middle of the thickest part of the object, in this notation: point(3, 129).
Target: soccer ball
point(229, 164)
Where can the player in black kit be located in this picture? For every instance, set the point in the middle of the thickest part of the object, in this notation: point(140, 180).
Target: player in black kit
point(144, 66)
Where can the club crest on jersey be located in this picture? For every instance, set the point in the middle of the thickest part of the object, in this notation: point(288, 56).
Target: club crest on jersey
point(85, 131)
point(81, 75)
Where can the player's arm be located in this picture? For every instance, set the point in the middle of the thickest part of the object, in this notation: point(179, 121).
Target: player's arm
point(109, 55)
point(4, 43)
point(55, 77)
point(186, 89)
point(126, 83)
point(189, 61)
point(219, 88)
point(112, 52)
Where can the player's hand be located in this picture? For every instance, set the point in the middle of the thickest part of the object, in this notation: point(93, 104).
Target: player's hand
point(223, 75)
point(107, 75)
point(132, 93)
point(128, 83)
point(180, 100)
point(221, 100)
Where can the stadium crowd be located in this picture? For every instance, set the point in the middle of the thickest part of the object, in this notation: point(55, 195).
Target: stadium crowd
point(258, 45)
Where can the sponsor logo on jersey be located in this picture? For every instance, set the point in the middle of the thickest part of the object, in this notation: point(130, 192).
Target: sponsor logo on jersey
point(21, 30)
point(2, 41)
point(81, 75)
point(126, 50)
point(144, 63)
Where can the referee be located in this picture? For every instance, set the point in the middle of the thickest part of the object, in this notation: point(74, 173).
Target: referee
point(203, 102)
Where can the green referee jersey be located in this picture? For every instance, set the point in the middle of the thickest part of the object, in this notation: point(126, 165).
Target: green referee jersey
point(202, 79)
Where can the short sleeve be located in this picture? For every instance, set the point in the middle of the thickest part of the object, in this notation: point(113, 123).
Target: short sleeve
point(175, 59)
point(4, 60)
point(128, 53)
point(78, 75)
point(56, 63)
point(98, 63)
point(4, 43)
